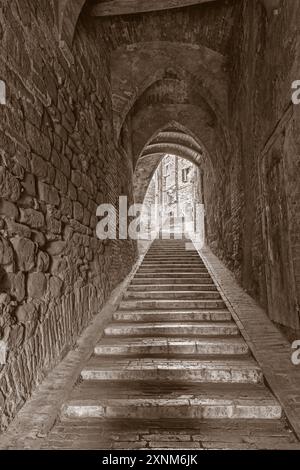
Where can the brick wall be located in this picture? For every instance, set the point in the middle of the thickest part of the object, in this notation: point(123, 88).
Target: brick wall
point(58, 161)
point(265, 60)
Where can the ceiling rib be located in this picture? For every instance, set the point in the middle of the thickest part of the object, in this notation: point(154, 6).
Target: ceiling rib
point(127, 7)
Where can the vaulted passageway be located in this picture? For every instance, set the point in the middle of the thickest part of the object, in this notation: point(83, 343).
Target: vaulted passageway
point(95, 95)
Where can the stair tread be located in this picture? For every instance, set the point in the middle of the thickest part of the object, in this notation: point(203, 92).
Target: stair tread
point(167, 340)
point(163, 363)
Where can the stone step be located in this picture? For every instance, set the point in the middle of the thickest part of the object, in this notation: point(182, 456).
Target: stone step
point(174, 256)
point(172, 287)
point(172, 269)
point(172, 265)
point(172, 329)
point(171, 304)
point(169, 346)
point(172, 315)
point(207, 371)
point(171, 261)
point(259, 406)
point(189, 295)
point(136, 281)
point(173, 276)
point(185, 249)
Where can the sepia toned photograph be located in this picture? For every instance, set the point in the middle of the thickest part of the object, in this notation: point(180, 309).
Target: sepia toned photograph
point(149, 230)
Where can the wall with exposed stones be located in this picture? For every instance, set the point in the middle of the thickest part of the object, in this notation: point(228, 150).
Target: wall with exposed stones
point(58, 161)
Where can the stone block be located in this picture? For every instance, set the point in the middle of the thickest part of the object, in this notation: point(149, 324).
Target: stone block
point(39, 166)
point(48, 194)
point(43, 262)
point(9, 186)
point(66, 207)
point(53, 225)
point(33, 218)
point(37, 285)
point(6, 252)
point(72, 192)
point(61, 182)
point(76, 178)
point(16, 285)
point(77, 211)
point(38, 142)
point(29, 184)
point(20, 230)
point(56, 248)
point(26, 313)
point(38, 238)
point(8, 209)
point(25, 252)
point(55, 287)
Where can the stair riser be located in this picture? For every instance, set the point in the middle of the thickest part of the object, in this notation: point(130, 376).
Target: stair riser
point(172, 287)
point(171, 262)
point(204, 375)
point(172, 258)
point(189, 349)
point(176, 411)
point(168, 269)
point(173, 277)
point(212, 330)
point(179, 281)
point(172, 295)
point(169, 317)
point(171, 305)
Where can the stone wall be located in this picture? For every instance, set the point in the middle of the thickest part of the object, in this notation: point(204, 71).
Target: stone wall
point(58, 161)
point(264, 62)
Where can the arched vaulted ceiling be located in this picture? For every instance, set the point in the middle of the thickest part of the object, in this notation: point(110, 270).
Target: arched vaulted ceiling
point(168, 76)
point(136, 67)
point(68, 11)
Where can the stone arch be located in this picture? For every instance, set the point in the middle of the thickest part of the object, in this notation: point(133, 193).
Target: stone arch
point(185, 145)
point(135, 67)
point(68, 14)
point(149, 121)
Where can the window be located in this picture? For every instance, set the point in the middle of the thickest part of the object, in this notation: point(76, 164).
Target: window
point(167, 169)
point(184, 174)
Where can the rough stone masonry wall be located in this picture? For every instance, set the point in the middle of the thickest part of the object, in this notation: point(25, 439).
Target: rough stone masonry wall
point(265, 62)
point(57, 163)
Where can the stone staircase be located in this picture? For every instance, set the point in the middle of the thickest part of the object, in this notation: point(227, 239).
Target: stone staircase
point(172, 351)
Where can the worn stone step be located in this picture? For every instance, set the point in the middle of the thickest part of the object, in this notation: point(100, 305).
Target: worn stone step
point(175, 273)
point(173, 256)
point(172, 269)
point(171, 304)
point(172, 287)
point(172, 276)
point(172, 329)
point(175, 281)
point(260, 406)
point(172, 315)
point(189, 295)
point(204, 371)
point(172, 262)
point(169, 346)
